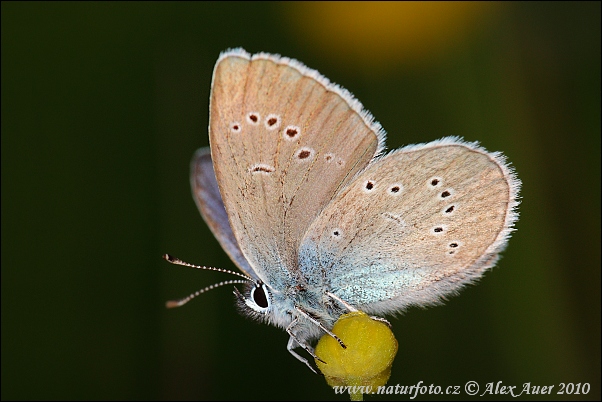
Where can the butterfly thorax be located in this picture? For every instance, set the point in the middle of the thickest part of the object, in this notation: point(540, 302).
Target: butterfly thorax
point(296, 301)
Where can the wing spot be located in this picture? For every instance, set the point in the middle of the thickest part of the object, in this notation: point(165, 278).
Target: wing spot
point(438, 230)
point(434, 182)
point(291, 132)
point(304, 153)
point(235, 127)
point(329, 157)
point(369, 186)
point(449, 210)
point(446, 194)
point(453, 247)
point(337, 233)
point(272, 122)
point(395, 189)
point(253, 118)
point(261, 168)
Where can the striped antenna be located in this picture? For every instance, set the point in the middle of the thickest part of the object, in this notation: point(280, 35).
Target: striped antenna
point(181, 302)
point(177, 261)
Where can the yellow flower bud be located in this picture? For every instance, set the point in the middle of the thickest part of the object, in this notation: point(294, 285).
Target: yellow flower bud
point(367, 361)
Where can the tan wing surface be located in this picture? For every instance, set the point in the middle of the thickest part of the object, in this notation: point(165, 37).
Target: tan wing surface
point(283, 141)
point(415, 226)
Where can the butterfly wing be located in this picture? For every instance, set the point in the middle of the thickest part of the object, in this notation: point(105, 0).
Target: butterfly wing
point(209, 201)
point(283, 140)
point(415, 226)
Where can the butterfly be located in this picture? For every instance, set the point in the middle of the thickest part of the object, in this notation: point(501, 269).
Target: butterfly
point(299, 191)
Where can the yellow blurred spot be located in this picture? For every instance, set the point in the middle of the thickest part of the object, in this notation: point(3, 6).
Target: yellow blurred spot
point(367, 361)
point(379, 33)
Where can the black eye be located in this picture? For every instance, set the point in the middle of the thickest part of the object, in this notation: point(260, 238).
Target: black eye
point(259, 297)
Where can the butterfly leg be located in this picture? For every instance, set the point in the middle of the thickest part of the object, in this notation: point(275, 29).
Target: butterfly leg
point(351, 308)
point(300, 343)
point(291, 345)
point(322, 327)
point(343, 302)
point(380, 319)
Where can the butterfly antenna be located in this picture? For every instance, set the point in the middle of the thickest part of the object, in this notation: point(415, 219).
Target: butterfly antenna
point(176, 261)
point(181, 302)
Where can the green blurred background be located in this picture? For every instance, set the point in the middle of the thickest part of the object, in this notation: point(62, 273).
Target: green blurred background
point(103, 105)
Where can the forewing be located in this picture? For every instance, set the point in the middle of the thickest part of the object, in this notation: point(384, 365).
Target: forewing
point(283, 141)
point(209, 201)
point(415, 226)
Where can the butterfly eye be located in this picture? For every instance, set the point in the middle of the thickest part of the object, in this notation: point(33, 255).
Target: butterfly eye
point(259, 299)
